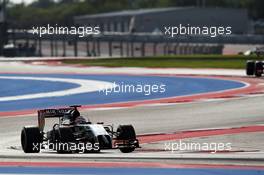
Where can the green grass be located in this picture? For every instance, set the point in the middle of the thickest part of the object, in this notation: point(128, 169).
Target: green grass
point(191, 61)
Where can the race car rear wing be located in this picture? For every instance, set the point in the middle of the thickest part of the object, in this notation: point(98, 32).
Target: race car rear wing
point(51, 113)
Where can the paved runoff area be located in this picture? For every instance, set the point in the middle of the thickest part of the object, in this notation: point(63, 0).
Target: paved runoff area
point(205, 108)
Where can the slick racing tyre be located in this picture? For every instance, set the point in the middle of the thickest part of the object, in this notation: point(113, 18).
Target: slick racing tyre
point(31, 139)
point(250, 68)
point(126, 132)
point(65, 139)
point(258, 68)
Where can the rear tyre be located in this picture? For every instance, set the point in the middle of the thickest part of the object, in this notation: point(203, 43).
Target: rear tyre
point(31, 139)
point(258, 68)
point(250, 68)
point(126, 132)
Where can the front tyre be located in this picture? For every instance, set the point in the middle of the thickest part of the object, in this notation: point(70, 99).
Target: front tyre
point(31, 139)
point(250, 68)
point(64, 141)
point(258, 68)
point(126, 133)
point(127, 150)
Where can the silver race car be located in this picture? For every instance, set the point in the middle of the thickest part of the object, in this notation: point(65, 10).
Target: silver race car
point(75, 134)
point(255, 68)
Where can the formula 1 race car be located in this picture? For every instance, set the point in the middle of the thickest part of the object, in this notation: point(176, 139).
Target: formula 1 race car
point(255, 68)
point(74, 134)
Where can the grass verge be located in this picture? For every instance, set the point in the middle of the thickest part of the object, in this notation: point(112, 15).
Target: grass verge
point(191, 61)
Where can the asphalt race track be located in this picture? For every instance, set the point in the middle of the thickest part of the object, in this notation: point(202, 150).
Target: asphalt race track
point(208, 114)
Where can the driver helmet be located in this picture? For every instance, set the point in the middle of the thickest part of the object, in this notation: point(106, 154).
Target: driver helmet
point(80, 120)
point(74, 114)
